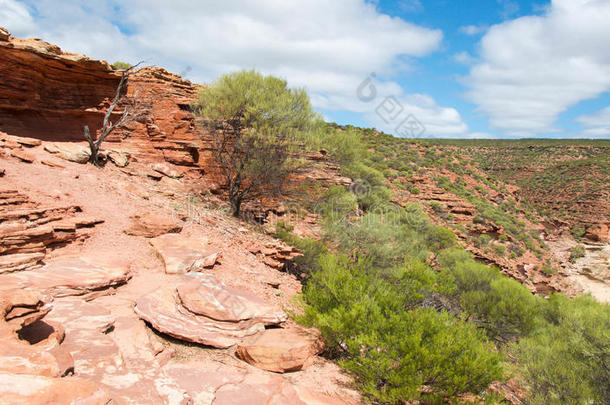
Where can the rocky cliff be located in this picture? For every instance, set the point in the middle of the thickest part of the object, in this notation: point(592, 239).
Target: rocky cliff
point(49, 94)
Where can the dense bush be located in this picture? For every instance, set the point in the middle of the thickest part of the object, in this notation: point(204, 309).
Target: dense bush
point(567, 360)
point(373, 321)
point(501, 306)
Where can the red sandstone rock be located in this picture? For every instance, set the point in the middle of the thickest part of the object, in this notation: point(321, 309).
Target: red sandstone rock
point(151, 225)
point(39, 390)
point(182, 254)
point(52, 163)
point(19, 262)
point(23, 156)
point(207, 296)
point(69, 277)
point(4, 34)
point(161, 310)
point(597, 233)
point(166, 170)
point(71, 152)
point(281, 350)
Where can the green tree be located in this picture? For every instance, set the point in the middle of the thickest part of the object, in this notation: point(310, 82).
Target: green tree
point(257, 122)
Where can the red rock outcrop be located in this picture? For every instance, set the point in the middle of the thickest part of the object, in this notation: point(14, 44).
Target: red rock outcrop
point(29, 230)
point(597, 233)
point(49, 94)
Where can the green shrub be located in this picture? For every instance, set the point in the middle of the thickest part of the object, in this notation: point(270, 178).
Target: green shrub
point(567, 360)
point(499, 249)
point(577, 231)
point(483, 240)
point(121, 65)
point(391, 346)
point(503, 307)
point(548, 269)
point(577, 252)
point(311, 249)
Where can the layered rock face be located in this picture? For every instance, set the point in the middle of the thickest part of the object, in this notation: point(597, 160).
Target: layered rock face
point(28, 230)
point(48, 94)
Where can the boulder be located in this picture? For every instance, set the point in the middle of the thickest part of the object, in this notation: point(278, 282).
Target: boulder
point(281, 350)
point(597, 233)
point(20, 307)
point(120, 159)
point(164, 314)
point(206, 295)
point(151, 225)
point(182, 254)
point(71, 152)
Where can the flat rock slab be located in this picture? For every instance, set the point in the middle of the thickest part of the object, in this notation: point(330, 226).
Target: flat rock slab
point(69, 277)
point(39, 390)
point(206, 295)
point(281, 350)
point(152, 225)
point(97, 342)
point(182, 254)
point(212, 383)
point(162, 311)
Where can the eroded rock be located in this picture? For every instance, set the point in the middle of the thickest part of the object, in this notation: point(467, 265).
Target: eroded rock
point(151, 225)
point(182, 254)
point(73, 277)
point(162, 311)
point(207, 296)
point(281, 350)
point(71, 152)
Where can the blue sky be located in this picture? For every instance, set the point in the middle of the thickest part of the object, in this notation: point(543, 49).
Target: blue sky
point(461, 68)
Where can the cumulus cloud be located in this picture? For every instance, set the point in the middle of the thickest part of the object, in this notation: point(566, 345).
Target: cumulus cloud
point(534, 68)
point(326, 47)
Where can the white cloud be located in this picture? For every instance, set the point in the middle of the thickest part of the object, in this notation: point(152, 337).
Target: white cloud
point(464, 58)
point(596, 125)
point(473, 29)
point(534, 68)
point(326, 47)
point(411, 6)
point(16, 16)
point(414, 116)
point(508, 8)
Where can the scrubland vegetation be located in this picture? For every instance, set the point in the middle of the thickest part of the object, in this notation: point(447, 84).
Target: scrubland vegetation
point(409, 313)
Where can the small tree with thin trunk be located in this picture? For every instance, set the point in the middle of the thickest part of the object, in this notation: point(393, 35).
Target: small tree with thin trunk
point(256, 122)
point(130, 111)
